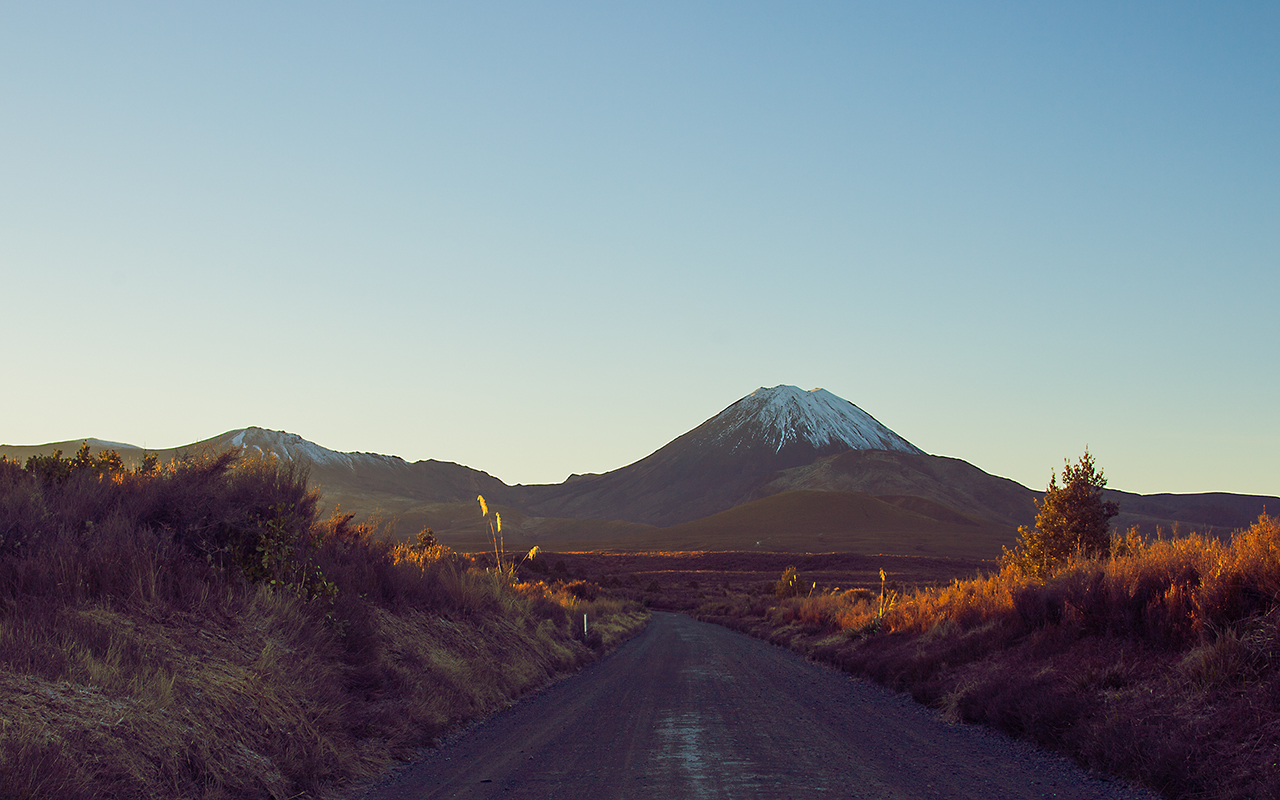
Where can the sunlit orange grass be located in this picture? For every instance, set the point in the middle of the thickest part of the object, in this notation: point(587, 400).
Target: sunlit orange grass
point(422, 558)
point(1164, 590)
point(853, 609)
point(1173, 592)
point(966, 603)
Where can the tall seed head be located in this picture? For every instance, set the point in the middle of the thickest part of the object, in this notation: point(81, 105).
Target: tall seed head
point(484, 509)
point(498, 517)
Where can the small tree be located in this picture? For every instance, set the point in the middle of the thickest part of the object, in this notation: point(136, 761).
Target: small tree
point(1073, 519)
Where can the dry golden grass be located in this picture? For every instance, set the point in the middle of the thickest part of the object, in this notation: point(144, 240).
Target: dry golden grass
point(144, 653)
point(1165, 591)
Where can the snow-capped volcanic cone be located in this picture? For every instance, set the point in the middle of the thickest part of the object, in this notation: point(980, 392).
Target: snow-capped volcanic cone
point(717, 464)
point(808, 424)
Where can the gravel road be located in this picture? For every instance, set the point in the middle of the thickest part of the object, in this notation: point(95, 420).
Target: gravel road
point(692, 710)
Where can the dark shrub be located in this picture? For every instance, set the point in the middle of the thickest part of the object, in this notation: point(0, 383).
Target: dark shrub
point(583, 590)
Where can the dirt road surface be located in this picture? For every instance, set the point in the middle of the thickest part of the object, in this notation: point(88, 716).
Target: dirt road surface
point(692, 710)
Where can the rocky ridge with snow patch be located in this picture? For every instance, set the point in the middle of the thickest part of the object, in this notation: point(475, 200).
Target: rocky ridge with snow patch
point(292, 447)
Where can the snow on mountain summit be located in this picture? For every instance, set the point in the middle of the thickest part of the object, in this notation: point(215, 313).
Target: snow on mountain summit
point(786, 414)
point(292, 447)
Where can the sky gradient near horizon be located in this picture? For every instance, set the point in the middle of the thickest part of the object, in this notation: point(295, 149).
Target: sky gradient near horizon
point(539, 239)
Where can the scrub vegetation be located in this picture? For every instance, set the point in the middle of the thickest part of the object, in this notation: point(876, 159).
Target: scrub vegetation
point(1154, 659)
point(194, 630)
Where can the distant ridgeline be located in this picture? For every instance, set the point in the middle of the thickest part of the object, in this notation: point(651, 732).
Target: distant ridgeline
point(782, 469)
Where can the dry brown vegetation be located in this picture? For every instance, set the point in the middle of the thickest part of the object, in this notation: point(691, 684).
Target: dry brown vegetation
point(686, 581)
point(1160, 664)
point(193, 630)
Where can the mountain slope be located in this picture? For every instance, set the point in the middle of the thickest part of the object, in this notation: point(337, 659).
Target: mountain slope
point(351, 475)
point(818, 522)
point(350, 479)
point(961, 486)
point(1209, 512)
point(953, 483)
point(774, 442)
point(718, 464)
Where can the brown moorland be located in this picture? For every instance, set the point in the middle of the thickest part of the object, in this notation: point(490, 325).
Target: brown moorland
point(686, 581)
point(195, 630)
point(1159, 663)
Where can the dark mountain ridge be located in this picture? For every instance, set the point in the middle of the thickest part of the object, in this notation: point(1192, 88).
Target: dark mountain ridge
point(718, 464)
point(780, 442)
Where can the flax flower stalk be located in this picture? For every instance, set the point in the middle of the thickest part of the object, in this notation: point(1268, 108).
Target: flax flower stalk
point(495, 530)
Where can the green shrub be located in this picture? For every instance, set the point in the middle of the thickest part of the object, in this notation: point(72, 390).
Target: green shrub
point(1073, 520)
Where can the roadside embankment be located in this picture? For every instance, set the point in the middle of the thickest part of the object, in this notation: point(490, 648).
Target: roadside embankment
point(1160, 664)
point(193, 631)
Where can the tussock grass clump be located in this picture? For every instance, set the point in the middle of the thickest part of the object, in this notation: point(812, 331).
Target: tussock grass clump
point(194, 630)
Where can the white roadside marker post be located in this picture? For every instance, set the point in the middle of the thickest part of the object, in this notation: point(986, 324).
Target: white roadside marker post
point(584, 625)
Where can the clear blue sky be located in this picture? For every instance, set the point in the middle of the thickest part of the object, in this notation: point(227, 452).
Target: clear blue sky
point(547, 238)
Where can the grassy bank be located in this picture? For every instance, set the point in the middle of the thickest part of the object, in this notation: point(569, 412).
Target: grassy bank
point(1160, 664)
point(193, 630)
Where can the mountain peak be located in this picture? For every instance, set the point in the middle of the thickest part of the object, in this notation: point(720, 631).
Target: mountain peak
point(292, 447)
point(718, 464)
point(783, 415)
point(285, 445)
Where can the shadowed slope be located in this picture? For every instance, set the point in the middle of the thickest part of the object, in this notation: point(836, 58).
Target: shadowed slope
point(951, 482)
point(836, 522)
